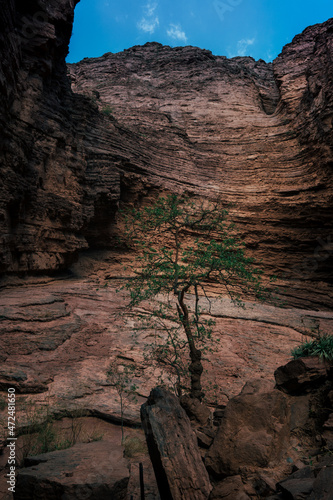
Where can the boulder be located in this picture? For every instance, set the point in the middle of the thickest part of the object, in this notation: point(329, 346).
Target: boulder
point(91, 471)
point(313, 483)
point(205, 436)
point(232, 488)
point(197, 411)
point(172, 444)
point(301, 374)
point(297, 489)
point(322, 486)
point(253, 431)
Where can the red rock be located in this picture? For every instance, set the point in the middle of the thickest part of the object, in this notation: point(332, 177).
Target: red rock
point(231, 488)
point(297, 488)
point(301, 374)
point(253, 432)
point(85, 471)
point(178, 113)
point(179, 470)
point(314, 483)
point(322, 486)
point(69, 348)
point(195, 410)
point(204, 439)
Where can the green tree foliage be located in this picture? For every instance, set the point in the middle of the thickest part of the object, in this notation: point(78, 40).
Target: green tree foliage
point(183, 247)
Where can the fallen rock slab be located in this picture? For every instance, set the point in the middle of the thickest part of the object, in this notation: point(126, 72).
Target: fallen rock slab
point(301, 374)
point(91, 471)
point(313, 483)
point(179, 470)
point(323, 485)
point(296, 489)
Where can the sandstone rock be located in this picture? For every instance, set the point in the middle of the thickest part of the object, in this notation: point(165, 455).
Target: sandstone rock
point(322, 485)
point(85, 471)
point(186, 100)
point(195, 410)
point(179, 470)
point(297, 489)
point(23, 382)
point(231, 488)
point(46, 200)
point(264, 484)
point(204, 441)
point(224, 124)
point(314, 483)
point(91, 332)
point(253, 432)
point(301, 374)
point(150, 485)
point(205, 437)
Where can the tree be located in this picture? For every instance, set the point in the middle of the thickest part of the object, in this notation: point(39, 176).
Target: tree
point(121, 377)
point(183, 247)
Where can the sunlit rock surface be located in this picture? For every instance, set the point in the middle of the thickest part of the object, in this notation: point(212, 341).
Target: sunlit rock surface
point(152, 119)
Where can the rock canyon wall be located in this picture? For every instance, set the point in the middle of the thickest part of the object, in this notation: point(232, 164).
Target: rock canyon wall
point(77, 141)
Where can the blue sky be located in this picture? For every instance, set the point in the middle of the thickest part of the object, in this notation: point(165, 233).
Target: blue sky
point(257, 28)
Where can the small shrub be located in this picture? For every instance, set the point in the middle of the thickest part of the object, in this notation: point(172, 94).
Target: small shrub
point(95, 436)
point(322, 347)
point(40, 434)
point(107, 110)
point(121, 378)
point(134, 446)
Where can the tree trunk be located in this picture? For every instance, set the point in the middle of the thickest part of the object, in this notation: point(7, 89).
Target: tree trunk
point(195, 367)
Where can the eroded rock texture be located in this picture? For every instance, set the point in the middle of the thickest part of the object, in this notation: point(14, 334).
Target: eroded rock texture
point(90, 471)
point(48, 197)
point(258, 135)
point(179, 470)
point(267, 433)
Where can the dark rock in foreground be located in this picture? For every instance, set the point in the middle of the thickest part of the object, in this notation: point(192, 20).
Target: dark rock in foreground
point(314, 483)
point(93, 471)
point(301, 374)
point(173, 449)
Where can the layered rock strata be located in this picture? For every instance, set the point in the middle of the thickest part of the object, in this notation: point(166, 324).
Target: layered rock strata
point(154, 118)
point(254, 134)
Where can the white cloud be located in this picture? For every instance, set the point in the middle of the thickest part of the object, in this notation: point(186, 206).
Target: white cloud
point(150, 9)
point(176, 33)
point(242, 47)
point(148, 25)
point(149, 21)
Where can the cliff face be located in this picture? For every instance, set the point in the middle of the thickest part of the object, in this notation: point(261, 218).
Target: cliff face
point(46, 201)
point(258, 135)
point(154, 118)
